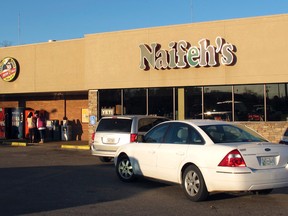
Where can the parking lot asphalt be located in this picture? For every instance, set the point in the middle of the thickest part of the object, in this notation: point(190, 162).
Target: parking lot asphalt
point(69, 144)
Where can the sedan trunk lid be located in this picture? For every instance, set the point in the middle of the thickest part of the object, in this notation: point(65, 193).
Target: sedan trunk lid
point(264, 155)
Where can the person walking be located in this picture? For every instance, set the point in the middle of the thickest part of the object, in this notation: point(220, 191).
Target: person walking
point(41, 126)
point(31, 123)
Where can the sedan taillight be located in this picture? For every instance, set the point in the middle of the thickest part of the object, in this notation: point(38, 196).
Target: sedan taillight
point(233, 159)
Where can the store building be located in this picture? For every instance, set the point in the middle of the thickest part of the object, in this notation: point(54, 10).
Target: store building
point(234, 70)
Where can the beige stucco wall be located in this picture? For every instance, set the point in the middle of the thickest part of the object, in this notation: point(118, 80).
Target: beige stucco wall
point(261, 54)
point(46, 67)
point(111, 60)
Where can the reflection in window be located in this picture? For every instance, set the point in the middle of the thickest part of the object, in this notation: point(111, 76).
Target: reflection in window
point(161, 102)
point(218, 103)
point(135, 101)
point(193, 103)
point(246, 103)
point(276, 102)
point(110, 99)
point(252, 98)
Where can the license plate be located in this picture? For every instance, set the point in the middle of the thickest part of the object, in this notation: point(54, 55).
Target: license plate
point(268, 161)
point(110, 140)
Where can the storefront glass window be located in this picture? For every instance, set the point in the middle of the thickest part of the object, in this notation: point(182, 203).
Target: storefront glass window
point(110, 102)
point(135, 101)
point(218, 103)
point(193, 103)
point(277, 102)
point(251, 98)
point(160, 102)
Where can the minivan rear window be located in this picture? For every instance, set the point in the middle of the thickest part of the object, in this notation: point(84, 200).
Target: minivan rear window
point(115, 125)
point(146, 124)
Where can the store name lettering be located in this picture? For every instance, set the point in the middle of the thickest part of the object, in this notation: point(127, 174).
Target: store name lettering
point(182, 55)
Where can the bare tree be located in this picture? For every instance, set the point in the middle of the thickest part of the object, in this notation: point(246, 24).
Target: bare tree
point(5, 43)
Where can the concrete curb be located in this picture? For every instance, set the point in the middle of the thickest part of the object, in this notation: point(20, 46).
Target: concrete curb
point(78, 147)
point(19, 144)
point(63, 146)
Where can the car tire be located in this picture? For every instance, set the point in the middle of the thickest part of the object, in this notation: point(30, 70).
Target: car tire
point(194, 185)
point(124, 169)
point(105, 159)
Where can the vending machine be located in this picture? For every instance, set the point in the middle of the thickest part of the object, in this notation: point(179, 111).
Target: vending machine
point(14, 123)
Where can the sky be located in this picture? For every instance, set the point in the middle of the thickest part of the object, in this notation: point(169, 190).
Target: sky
point(37, 21)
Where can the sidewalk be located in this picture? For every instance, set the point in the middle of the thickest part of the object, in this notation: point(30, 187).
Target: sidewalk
point(73, 144)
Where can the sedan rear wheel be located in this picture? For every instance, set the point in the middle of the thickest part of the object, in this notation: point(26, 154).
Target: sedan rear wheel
point(124, 169)
point(194, 185)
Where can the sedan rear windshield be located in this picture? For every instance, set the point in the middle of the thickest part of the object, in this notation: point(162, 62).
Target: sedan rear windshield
point(230, 133)
point(115, 125)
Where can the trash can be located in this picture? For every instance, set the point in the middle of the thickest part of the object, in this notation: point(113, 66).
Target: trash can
point(66, 132)
point(56, 130)
point(56, 133)
point(49, 131)
point(49, 134)
point(53, 130)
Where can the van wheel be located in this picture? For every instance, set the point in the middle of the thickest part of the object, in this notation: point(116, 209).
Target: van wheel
point(124, 169)
point(105, 159)
point(194, 185)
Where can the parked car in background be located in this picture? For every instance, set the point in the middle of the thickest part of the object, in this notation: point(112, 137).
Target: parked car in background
point(257, 114)
point(115, 131)
point(223, 111)
point(205, 156)
point(284, 138)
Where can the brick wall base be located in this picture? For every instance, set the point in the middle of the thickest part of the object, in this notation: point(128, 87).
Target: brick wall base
point(55, 111)
point(92, 109)
point(270, 130)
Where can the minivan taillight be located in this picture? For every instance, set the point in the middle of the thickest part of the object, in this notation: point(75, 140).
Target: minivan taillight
point(133, 137)
point(92, 138)
point(233, 159)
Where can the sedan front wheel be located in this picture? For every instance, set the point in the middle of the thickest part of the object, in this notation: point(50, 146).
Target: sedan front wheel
point(124, 169)
point(193, 184)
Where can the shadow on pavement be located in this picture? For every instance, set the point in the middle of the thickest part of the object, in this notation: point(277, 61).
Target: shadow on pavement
point(37, 189)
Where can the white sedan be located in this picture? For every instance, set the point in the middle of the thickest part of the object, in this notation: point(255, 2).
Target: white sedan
point(205, 156)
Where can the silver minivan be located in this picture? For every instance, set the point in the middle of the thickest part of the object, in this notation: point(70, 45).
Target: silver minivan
point(114, 131)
